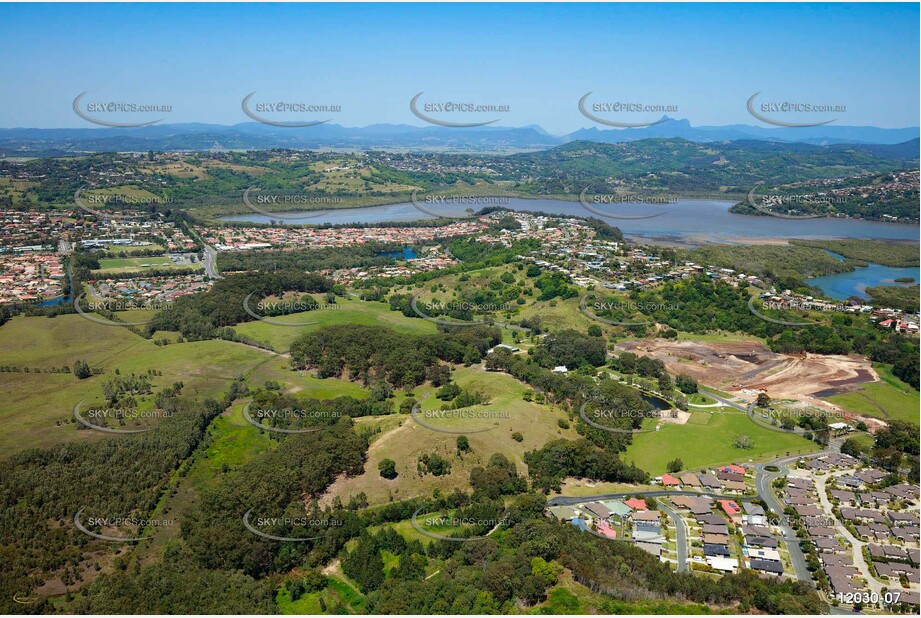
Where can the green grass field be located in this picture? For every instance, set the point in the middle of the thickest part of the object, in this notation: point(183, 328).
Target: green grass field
point(37, 408)
point(707, 440)
point(132, 264)
point(898, 400)
point(303, 383)
point(556, 314)
point(234, 441)
point(352, 311)
point(339, 593)
point(406, 443)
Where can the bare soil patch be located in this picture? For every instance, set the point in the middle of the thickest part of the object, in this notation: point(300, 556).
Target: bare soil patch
point(750, 366)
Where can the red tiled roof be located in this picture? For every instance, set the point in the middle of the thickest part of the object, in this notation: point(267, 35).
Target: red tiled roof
point(606, 530)
point(636, 504)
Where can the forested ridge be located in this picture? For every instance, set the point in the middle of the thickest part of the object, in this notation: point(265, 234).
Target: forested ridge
point(41, 490)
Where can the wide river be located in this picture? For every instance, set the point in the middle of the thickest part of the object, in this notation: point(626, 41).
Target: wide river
point(687, 220)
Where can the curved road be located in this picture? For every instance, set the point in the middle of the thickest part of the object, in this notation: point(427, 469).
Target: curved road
point(764, 480)
point(763, 488)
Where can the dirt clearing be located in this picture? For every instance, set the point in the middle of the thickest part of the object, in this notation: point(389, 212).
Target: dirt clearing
point(740, 368)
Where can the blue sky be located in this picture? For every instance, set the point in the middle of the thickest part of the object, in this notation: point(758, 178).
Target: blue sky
point(538, 59)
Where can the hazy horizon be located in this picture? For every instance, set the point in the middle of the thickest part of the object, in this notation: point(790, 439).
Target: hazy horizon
point(704, 60)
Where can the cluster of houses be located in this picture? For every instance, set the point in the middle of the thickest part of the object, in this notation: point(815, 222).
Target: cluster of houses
point(622, 267)
point(30, 277)
point(900, 323)
point(123, 232)
point(726, 479)
point(431, 259)
point(713, 517)
point(628, 519)
point(885, 317)
point(248, 238)
point(760, 548)
point(892, 186)
point(729, 533)
point(872, 514)
point(26, 230)
point(626, 268)
point(151, 291)
point(32, 230)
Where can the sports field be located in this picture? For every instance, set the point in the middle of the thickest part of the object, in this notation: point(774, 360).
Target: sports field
point(131, 264)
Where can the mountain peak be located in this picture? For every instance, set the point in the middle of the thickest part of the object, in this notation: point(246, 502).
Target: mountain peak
point(674, 122)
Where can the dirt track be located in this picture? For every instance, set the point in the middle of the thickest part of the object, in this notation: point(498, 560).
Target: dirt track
point(734, 367)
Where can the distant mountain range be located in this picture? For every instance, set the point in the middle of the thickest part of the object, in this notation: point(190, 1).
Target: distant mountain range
point(823, 135)
point(254, 135)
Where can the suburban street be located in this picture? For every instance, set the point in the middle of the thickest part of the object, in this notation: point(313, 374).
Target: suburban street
point(681, 537)
point(856, 544)
point(763, 488)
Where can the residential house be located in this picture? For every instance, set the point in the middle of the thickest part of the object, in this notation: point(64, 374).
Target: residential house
point(730, 507)
point(598, 510)
point(754, 514)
